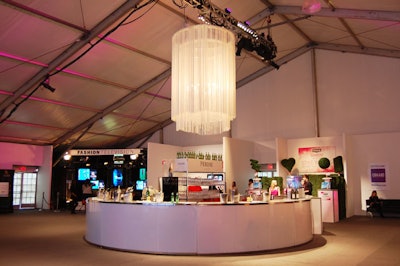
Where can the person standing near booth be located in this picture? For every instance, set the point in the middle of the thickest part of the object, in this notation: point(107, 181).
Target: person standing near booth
point(307, 185)
point(274, 189)
point(87, 190)
point(74, 196)
point(250, 187)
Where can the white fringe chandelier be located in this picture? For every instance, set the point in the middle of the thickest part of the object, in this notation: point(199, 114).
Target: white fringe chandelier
point(203, 94)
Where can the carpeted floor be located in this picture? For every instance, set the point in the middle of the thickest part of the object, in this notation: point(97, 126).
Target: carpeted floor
point(33, 237)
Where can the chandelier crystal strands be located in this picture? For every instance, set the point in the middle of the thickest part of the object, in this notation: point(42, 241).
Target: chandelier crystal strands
point(203, 93)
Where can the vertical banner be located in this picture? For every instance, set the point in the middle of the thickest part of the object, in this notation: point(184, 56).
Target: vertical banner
point(378, 174)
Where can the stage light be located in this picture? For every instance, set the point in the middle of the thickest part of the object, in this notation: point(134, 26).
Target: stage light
point(311, 6)
point(47, 86)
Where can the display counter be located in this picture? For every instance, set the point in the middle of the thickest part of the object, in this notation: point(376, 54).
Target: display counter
point(198, 228)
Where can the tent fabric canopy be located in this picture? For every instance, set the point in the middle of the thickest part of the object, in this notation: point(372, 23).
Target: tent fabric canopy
point(110, 61)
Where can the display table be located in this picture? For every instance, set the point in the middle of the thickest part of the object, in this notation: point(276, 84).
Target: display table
point(198, 228)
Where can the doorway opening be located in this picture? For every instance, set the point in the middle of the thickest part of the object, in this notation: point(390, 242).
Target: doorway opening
point(25, 187)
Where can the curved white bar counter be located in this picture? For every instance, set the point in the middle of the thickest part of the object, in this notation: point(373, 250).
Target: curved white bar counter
point(164, 228)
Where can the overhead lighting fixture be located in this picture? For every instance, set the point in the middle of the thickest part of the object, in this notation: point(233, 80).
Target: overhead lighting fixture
point(67, 156)
point(203, 19)
point(47, 86)
point(203, 99)
point(311, 6)
point(264, 47)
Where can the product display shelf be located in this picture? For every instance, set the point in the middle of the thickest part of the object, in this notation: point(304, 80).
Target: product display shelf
point(197, 188)
point(199, 179)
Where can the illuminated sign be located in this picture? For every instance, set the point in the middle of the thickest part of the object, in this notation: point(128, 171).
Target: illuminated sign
point(94, 152)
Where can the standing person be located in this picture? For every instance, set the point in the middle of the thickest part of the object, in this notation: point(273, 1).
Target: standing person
point(234, 195)
point(74, 196)
point(375, 203)
point(250, 187)
point(274, 189)
point(87, 189)
point(235, 190)
point(307, 185)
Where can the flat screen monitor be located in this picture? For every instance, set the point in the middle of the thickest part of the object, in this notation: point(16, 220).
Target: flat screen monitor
point(101, 184)
point(95, 184)
point(93, 174)
point(83, 174)
point(142, 173)
point(117, 177)
point(140, 184)
point(326, 185)
point(218, 177)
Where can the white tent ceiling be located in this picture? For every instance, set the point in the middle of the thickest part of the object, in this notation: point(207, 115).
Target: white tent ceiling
point(113, 87)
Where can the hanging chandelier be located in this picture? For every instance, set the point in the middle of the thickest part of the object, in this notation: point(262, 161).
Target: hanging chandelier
point(203, 93)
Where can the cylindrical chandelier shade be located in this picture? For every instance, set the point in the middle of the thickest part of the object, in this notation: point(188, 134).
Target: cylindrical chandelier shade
point(203, 93)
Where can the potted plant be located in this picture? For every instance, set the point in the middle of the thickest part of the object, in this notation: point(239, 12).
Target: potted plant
point(324, 163)
point(288, 164)
point(291, 181)
point(255, 166)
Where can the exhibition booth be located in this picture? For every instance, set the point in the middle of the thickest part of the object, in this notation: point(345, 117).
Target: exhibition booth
point(185, 220)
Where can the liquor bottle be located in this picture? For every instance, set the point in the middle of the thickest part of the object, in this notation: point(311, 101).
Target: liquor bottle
point(288, 193)
point(172, 197)
point(176, 197)
point(148, 194)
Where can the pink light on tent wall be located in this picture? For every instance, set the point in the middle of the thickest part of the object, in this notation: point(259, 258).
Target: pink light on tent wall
point(74, 73)
point(311, 6)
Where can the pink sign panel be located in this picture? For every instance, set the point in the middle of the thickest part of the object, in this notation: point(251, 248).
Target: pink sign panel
point(309, 157)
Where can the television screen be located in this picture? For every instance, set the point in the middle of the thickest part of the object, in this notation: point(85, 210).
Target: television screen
point(142, 173)
point(140, 184)
point(95, 184)
point(119, 159)
point(218, 177)
point(93, 174)
point(101, 184)
point(326, 185)
point(117, 177)
point(83, 174)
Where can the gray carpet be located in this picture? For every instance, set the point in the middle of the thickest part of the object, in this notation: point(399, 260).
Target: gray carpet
point(57, 238)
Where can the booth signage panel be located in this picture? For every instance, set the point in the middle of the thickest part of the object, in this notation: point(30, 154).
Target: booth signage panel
point(4, 189)
point(94, 152)
point(195, 165)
